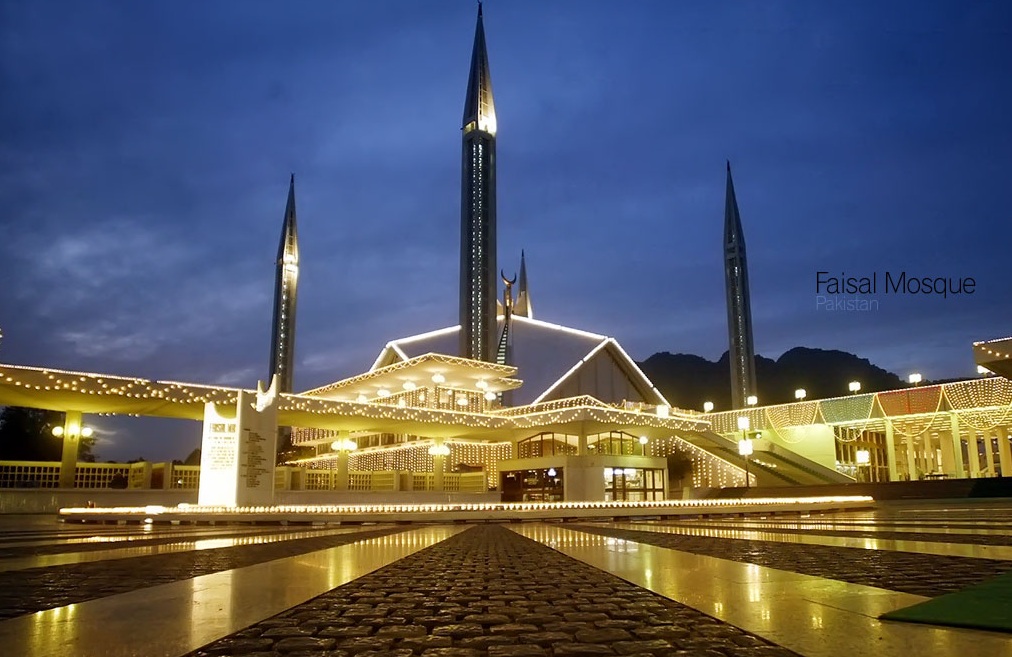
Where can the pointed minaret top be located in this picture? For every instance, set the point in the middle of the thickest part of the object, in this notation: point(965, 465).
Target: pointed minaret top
point(288, 249)
point(733, 234)
point(523, 305)
point(479, 108)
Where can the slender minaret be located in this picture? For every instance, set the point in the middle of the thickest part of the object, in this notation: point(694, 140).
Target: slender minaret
point(741, 353)
point(523, 306)
point(285, 292)
point(478, 339)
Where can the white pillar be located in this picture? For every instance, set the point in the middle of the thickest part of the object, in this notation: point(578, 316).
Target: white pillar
point(891, 451)
point(438, 463)
point(957, 447)
point(973, 453)
point(341, 471)
point(1004, 452)
point(911, 459)
point(989, 454)
point(71, 441)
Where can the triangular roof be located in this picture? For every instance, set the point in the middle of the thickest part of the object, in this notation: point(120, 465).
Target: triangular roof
point(549, 359)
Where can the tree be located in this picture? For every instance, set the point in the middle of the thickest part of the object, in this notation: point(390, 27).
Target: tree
point(26, 434)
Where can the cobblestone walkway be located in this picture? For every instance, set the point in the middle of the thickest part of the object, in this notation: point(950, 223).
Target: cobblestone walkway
point(909, 572)
point(34, 589)
point(488, 591)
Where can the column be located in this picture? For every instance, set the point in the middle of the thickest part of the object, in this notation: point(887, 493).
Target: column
point(341, 471)
point(891, 451)
point(438, 462)
point(71, 441)
point(957, 447)
point(911, 459)
point(581, 447)
point(973, 453)
point(1004, 452)
point(989, 454)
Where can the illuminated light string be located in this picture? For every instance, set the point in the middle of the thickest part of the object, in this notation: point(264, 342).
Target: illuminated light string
point(484, 507)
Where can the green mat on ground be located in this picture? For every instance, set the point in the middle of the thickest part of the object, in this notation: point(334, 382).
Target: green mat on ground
point(985, 606)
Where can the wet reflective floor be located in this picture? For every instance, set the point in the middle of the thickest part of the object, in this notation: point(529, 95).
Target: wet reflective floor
point(732, 587)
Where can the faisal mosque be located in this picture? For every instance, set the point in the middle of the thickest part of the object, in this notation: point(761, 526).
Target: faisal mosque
point(509, 404)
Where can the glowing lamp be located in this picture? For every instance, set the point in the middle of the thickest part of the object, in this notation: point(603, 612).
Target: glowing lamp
point(490, 396)
point(854, 386)
point(745, 447)
point(438, 378)
point(643, 440)
point(744, 424)
point(863, 457)
point(914, 378)
point(800, 393)
point(707, 406)
point(751, 400)
point(57, 431)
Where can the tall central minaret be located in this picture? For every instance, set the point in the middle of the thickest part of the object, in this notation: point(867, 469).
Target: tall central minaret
point(741, 353)
point(478, 339)
point(285, 292)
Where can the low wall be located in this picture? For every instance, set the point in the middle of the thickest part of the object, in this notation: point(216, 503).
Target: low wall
point(51, 500)
point(382, 497)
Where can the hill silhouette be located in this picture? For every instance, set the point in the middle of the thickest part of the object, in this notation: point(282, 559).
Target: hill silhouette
point(687, 380)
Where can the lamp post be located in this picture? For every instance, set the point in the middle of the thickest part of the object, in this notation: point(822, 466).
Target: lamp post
point(439, 451)
point(643, 445)
point(72, 431)
point(854, 387)
point(343, 446)
point(745, 444)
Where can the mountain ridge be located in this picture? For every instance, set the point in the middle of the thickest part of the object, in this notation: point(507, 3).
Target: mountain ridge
point(688, 380)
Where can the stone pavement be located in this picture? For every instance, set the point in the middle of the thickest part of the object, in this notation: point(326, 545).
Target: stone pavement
point(34, 589)
point(488, 591)
point(909, 572)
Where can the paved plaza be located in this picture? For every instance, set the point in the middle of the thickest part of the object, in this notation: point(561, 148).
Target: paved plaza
point(720, 587)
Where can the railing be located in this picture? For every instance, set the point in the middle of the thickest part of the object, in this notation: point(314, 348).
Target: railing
point(46, 474)
point(143, 475)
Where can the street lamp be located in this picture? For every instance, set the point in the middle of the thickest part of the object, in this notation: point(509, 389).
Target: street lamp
point(643, 445)
point(745, 445)
point(751, 400)
point(707, 406)
point(854, 387)
point(73, 431)
point(914, 378)
point(800, 394)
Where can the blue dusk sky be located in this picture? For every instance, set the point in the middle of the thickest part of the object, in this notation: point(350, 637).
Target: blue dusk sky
point(146, 149)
